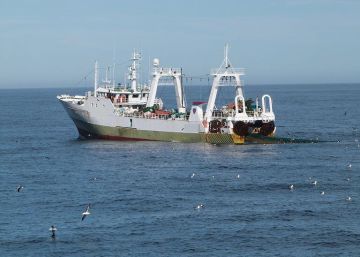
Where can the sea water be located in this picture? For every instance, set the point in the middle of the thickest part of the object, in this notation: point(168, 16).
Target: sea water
point(144, 195)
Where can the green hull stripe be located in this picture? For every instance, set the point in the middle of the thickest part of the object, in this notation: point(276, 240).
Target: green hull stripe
point(212, 138)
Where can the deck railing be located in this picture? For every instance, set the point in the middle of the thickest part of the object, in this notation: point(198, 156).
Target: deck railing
point(230, 71)
point(142, 115)
point(231, 113)
point(167, 70)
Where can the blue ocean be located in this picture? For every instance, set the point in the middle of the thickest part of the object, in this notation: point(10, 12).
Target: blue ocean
point(144, 195)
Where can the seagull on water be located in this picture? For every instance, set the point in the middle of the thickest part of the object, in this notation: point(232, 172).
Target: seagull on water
point(53, 230)
point(348, 198)
point(349, 166)
point(238, 176)
point(291, 187)
point(193, 175)
point(322, 193)
point(19, 188)
point(199, 206)
point(314, 183)
point(86, 212)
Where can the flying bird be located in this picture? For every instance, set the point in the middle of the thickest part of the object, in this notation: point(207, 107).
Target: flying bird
point(86, 212)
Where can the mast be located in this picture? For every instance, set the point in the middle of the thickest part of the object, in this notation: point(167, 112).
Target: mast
point(96, 78)
point(113, 67)
point(113, 75)
point(226, 58)
point(132, 70)
point(107, 81)
point(182, 90)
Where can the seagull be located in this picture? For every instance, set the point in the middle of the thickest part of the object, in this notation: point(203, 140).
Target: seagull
point(322, 193)
point(291, 187)
point(193, 175)
point(348, 198)
point(19, 188)
point(314, 183)
point(349, 166)
point(238, 176)
point(199, 206)
point(86, 212)
point(52, 229)
point(348, 179)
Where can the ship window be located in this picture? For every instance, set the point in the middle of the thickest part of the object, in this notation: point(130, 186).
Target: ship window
point(135, 96)
point(92, 104)
point(144, 95)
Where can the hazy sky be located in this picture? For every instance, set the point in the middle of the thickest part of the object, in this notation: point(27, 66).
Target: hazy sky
point(55, 43)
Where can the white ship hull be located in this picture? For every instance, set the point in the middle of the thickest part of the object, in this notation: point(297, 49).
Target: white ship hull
point(101, 122)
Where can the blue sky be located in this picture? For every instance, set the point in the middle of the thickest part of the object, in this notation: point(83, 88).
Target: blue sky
point(55, 43)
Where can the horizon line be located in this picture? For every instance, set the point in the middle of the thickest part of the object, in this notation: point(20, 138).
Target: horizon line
point(198, 85)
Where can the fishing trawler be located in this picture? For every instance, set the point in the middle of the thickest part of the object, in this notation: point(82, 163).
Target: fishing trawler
point(134, 112)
